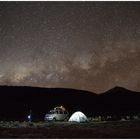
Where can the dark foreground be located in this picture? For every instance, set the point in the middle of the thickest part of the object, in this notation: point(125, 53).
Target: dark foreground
point(118, 129)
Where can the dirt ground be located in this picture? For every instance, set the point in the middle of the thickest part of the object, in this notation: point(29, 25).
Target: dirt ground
point(116, 129)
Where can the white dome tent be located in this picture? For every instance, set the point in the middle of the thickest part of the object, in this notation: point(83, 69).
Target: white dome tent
point(78, 117)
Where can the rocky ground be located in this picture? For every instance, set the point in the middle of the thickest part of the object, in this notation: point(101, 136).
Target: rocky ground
point(116, 129)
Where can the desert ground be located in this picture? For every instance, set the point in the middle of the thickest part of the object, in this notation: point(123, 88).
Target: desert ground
point(106, 129)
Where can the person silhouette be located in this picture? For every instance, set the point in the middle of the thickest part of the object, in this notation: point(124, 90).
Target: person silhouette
point(29, 117)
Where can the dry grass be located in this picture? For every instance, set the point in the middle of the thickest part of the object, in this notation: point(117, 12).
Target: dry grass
point(118, 129)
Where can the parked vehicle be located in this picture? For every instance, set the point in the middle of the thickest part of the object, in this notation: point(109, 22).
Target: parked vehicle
point(57, 114)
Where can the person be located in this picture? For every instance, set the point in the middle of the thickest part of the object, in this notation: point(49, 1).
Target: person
point(29, 117)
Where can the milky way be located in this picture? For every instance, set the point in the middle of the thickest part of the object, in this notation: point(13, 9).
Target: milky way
point(84, 45)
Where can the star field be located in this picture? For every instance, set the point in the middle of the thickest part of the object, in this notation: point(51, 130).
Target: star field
point(84, 45)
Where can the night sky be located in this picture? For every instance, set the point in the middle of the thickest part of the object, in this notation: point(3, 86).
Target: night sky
point(84, 45)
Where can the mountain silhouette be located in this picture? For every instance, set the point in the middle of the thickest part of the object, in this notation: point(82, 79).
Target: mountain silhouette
point(16, 101)
point(120, 100)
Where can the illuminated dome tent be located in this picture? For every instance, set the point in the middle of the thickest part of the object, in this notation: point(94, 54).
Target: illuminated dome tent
point(78, 117)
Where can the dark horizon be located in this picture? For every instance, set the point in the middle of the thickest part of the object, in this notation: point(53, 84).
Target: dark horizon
point(16, 102)
point(98, 93)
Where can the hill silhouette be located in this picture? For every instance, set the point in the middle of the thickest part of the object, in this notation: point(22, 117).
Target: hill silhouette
point(120, 100)
point(15, 102)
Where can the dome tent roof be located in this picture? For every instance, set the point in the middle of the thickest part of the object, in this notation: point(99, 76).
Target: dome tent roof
point(78, 117)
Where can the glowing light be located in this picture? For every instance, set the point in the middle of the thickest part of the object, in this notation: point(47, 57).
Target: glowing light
point(78, 117)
